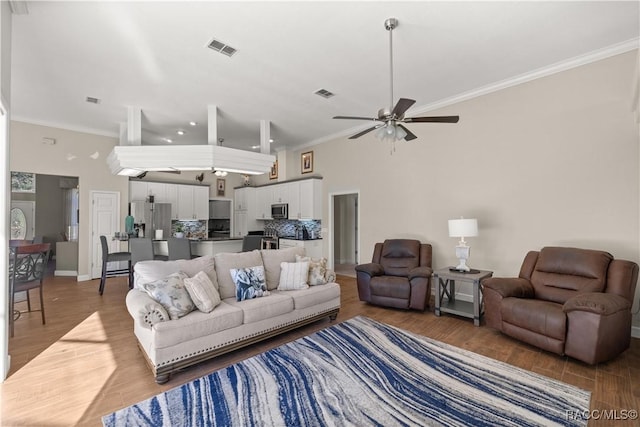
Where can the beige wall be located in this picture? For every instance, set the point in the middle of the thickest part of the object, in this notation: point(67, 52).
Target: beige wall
point(549, 162)
point(29, 154)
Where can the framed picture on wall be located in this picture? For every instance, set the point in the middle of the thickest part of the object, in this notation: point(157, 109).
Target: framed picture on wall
point(273, 174)
point(306, 160)
point(220, 185)
point(23, 182)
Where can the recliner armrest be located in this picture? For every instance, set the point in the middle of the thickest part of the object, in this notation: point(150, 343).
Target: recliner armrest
point(510, 286)
point(597, 302)
point(420, 272)
point(372, 269)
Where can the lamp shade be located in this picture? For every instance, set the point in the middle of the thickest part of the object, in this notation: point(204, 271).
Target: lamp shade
point(463, 227)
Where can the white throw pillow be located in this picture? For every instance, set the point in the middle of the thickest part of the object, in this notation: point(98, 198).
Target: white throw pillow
point(293, 276)
point(317, 270)
point(171, 294)
point(203, 292)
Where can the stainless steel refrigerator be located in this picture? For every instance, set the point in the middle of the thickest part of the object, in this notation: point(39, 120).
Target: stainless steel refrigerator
point(154, 216)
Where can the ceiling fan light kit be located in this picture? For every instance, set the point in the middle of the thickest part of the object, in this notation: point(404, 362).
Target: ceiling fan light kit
point(390, 119)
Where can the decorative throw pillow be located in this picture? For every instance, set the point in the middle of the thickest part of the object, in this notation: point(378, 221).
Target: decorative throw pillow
point(203, 292)
point(293, 276)
point(317, 269)
point(249, 282)
point(171, 294)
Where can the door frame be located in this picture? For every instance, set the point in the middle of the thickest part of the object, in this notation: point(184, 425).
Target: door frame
point(332, 195)
point(92, 225)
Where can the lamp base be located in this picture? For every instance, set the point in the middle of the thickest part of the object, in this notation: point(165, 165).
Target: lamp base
point(470, 271)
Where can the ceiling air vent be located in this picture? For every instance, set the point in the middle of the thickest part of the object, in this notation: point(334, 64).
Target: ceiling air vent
point(93, 100)
point(324, 93)
point(223, 48)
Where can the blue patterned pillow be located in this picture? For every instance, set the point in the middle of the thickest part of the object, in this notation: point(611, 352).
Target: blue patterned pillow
point(249, 282)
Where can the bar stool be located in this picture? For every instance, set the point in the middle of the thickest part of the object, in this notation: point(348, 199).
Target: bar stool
point(179, 248)
point(114, 257)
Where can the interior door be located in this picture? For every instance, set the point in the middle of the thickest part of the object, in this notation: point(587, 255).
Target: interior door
point(105, 217)
point(23, 215)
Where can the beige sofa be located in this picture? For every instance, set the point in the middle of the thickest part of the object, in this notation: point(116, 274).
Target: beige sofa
point(170, 345)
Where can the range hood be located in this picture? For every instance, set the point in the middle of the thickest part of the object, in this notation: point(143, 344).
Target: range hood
point(132, 160)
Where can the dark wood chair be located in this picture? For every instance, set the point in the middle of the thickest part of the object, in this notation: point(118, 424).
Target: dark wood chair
point(26, 271)
point(114, 257)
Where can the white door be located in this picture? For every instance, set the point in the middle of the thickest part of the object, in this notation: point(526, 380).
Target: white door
point(23, 219)
point(105, 221)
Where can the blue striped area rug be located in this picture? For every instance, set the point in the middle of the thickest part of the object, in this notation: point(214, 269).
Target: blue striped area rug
point(363, 373)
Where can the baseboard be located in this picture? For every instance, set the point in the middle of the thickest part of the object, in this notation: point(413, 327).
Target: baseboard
point(65, 273)
point(83, 278)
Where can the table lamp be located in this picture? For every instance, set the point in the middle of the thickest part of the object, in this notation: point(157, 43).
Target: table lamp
point(463, 228)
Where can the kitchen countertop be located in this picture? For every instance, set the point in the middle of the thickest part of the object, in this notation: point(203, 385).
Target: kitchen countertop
point(210, 239)
point(293, 238)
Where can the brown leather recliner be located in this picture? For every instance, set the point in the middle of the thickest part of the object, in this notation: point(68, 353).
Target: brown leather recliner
point(567, 301)
point(399, 275)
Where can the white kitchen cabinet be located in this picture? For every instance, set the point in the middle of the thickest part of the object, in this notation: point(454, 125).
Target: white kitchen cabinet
point(201, 202)
point(240, 226)
point(172, 197)
point(138, 191)
point(158, 190)
point(193, 202)
point(312, 248)
point(242, 198)
point(280, 193)
point(263, 202)
point(305, 199)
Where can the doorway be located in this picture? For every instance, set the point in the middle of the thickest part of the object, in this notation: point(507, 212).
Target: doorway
point(345, 246)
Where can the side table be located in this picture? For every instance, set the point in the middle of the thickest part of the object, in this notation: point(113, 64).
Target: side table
point(446, 286)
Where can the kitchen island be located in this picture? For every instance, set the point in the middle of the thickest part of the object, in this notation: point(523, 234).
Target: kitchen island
point(200, 247)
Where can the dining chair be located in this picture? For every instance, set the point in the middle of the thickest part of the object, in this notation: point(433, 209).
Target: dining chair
point(141, 250)
point(114, 257)
point(26, 271)
point(179, 248)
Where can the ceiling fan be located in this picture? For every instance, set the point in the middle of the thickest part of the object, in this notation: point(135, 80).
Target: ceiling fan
point(390, 120)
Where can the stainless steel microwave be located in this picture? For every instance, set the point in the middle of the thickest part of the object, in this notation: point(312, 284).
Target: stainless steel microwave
point(280, 211)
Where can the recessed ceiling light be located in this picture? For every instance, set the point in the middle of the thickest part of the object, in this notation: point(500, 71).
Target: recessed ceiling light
point(255, 147)
point(271, 141)
point(180, 132)
point(169, 140)
point(193, 123)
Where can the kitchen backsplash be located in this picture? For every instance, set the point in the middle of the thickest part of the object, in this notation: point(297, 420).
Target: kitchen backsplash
point(196, 229)
point(287, 227)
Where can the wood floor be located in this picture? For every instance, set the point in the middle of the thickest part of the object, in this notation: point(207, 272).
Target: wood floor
point(84, 363)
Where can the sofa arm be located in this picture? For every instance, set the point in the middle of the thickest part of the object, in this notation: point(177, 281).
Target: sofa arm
point(420, 272)
point(509, 287)
point(144, 309)
point(372, 269)
point(598, 303)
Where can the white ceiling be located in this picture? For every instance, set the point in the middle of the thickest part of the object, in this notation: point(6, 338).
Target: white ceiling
point(154, 55)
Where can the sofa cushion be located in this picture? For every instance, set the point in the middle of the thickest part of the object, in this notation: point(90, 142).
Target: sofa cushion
point(271, 259)
point(148, 271)
point(293, 275)
point(317, 270)
point(391, 286)
point(224, 262)
point(315, 295)
point(171, 294)
point(204, 295)
point(249, 282)
point(197, 324)
point(259, 309)
point(542, 317)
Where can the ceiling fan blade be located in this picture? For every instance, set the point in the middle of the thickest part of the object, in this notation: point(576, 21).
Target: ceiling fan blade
point(410, 135)
point(364, 132)
point(356, 118)
point(402, 105)
point(437, 119)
